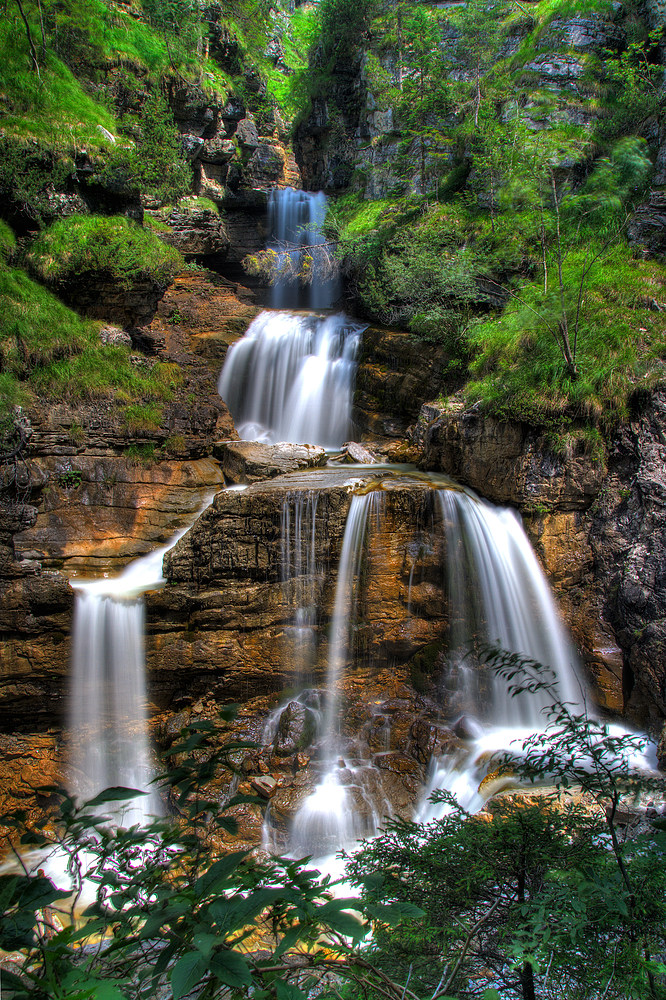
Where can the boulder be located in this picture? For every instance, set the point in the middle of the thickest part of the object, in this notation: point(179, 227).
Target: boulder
point(251, 462)
point(246, 133)
point(647, 226)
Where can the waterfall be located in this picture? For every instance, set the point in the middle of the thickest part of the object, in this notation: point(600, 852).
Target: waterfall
point(495, 593)
point(498, 594)
point(291, 378)
point(344, 611)
point(295, 220)
point(341, 809)
point(107, 716)
point(301, 574)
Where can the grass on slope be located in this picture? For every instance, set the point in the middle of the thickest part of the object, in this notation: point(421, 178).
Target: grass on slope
point(46, 350)
point(519, 371)
point(54, 107)
point(300, 32)
point(111, 245)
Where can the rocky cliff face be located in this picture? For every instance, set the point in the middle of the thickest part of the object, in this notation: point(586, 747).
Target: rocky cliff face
point(91, 490)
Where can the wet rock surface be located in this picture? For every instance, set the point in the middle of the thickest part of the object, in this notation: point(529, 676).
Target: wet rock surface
point(597, 530)
point(628, 539)
point(229, 611)
point(396, 374)
point(90, 490)
point(505, 462)
point(251, 461)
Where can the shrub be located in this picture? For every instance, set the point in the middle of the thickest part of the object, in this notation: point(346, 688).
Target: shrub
point(157, 165)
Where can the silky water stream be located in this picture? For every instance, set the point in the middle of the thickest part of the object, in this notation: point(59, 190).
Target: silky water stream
point(109, 744)
point(492, 591)
point(292, 378)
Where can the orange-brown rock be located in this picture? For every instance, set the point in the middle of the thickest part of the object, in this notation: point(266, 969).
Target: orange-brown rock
point(227, 610)
point(35, 622)
point(200, 315)
point(507, 462)
point(27, 762)
point(396, 375)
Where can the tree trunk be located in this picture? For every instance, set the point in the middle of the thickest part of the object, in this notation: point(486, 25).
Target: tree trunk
point(399, 44)
point(526, 972)
point(33, 51)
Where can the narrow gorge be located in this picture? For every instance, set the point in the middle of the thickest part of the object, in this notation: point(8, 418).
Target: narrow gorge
point(332, 389)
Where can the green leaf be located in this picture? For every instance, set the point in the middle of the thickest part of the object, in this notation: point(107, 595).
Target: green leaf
point(491, 995)
point(393, 913)
point(217, 875)
point(187, 973)
point(205, 943)
point(231, 969)
point(288, 991)
point(340, 920)
point(116, 794)
point(7, 886)
point(292, 936)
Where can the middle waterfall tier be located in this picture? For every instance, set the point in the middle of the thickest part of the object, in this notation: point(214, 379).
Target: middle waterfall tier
point(424, 576)
point(291, 378)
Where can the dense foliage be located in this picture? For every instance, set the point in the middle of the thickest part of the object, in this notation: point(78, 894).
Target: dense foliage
point(505, 194)
point(158, 917)
point(553, 894)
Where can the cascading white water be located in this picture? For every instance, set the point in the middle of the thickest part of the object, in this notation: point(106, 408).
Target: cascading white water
point(346, 597)
point(107, 717)
point(300, 573)
point(497, 593)
point(329, 818)
point(291, 378)
point(295, 220)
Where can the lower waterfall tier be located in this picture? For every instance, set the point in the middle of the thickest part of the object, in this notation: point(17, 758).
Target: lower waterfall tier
point(363, 591)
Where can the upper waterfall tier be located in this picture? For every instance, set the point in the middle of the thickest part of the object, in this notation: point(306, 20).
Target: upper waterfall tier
point(291, 378)
point(295, 220)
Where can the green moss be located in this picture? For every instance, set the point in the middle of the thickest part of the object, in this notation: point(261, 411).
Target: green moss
point(195, 203)
point(358, 216)
point(94, 244)
point(143, 417)
point(140, 454)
